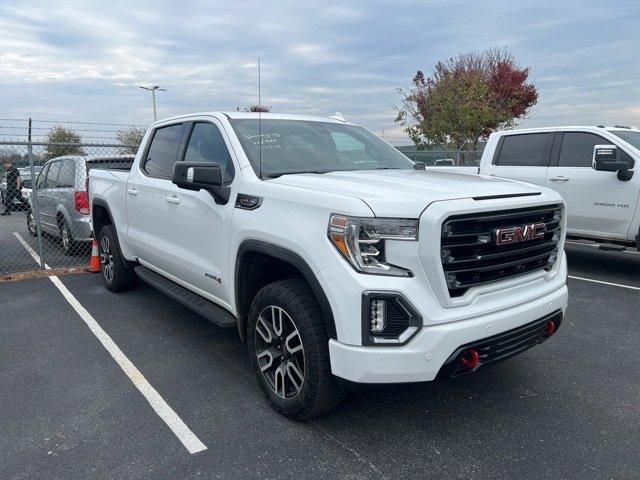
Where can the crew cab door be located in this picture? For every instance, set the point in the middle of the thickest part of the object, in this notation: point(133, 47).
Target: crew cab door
point(183, 234)
point(598, 204)
point(522, 157)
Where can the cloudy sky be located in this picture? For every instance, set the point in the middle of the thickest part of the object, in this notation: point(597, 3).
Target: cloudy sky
point(83, 60)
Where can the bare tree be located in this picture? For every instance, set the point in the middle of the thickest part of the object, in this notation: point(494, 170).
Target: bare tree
point(258, 108)
point(61, 135)
point(130, 138)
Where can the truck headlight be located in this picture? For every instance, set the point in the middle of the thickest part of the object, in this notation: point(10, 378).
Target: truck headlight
point(361, 241)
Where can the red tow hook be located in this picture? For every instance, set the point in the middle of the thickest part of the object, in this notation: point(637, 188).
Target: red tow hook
point(551, 327)
point(470, 359)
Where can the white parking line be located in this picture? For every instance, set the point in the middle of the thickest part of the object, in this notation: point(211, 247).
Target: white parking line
point(164, 411)
point(30, 250)
point(596, 246)
point(630, 287)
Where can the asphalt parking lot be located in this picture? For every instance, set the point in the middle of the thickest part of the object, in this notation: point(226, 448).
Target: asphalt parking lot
point(569, 408)
point(15, 258)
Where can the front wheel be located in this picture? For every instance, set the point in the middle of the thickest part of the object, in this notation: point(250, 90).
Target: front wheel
point(289, 350)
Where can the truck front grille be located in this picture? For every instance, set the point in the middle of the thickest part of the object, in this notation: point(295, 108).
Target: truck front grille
point(472, 254)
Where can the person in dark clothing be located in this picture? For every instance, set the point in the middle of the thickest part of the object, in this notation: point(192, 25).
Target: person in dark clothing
point(14, 185)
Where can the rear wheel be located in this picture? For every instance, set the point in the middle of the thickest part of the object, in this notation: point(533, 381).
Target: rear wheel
point(69, 245)
point(117, 273)
point(31, 224)
point(289, 350)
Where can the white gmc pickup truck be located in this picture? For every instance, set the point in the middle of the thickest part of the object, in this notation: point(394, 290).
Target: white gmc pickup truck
point(334, 257)
point(591, 167)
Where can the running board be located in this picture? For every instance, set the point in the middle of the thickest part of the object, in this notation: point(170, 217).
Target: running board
point(195, 302)
point(612, 247)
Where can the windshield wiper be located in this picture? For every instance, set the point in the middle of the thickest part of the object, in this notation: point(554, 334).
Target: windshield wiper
point(279, 174)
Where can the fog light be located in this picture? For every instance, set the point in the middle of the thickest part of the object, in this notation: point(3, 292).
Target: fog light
point(388, 319)
point(378, 321)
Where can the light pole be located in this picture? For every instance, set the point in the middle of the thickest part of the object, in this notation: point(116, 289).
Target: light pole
point(153, 95)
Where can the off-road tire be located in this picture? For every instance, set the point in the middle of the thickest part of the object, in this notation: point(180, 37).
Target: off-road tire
point(319, 392)
point(121, 276)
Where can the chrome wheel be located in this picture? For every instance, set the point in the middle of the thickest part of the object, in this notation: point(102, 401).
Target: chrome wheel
point(66, 237)
point(106, 259)
point(31, 224)
point(280, 352)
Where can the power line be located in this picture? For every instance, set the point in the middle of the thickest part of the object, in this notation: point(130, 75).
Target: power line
point(49, 128)
point(74, 123)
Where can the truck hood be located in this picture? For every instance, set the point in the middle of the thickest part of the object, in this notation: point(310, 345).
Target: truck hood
point(405, 193)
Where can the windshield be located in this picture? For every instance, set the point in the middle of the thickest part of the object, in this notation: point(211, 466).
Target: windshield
point(301, 146)
point(632, 137)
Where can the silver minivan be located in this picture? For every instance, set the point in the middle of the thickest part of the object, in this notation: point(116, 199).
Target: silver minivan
point(62, 200)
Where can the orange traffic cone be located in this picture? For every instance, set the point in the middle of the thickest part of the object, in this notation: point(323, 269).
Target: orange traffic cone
point(94, 260)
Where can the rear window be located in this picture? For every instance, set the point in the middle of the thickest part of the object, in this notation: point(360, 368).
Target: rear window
point(530, 150)
point(163, 151)
point(110, 163)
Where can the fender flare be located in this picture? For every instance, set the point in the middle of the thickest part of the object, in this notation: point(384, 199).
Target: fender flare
point(103, 204)
point(292, 258)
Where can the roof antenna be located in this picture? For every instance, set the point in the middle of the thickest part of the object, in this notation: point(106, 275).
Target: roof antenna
point(259, 123)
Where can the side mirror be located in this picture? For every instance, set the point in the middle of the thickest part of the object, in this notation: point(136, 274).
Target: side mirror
point(606, 158)
point(197, 175)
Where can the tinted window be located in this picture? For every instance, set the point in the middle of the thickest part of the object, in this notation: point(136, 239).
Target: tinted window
point(163, 151)
point(531, 150)
point(52, 175)
point(207, 145)
point(67, 176)
point(577, 149)
point(42, 177)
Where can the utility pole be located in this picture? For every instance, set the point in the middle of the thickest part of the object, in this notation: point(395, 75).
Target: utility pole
point(153, 96)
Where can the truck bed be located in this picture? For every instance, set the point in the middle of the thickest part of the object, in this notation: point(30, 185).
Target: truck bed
point(110, 187)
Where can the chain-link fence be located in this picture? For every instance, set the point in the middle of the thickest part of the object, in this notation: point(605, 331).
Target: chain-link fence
point(44, 215)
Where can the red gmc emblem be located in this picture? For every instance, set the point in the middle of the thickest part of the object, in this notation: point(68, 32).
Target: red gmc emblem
point(532, 231)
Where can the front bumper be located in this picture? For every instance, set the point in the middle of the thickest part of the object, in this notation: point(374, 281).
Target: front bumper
point(423, 357)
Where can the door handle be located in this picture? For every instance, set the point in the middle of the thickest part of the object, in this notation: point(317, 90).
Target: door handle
point(132, 191)
point(173, 199)
point(559, 179)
